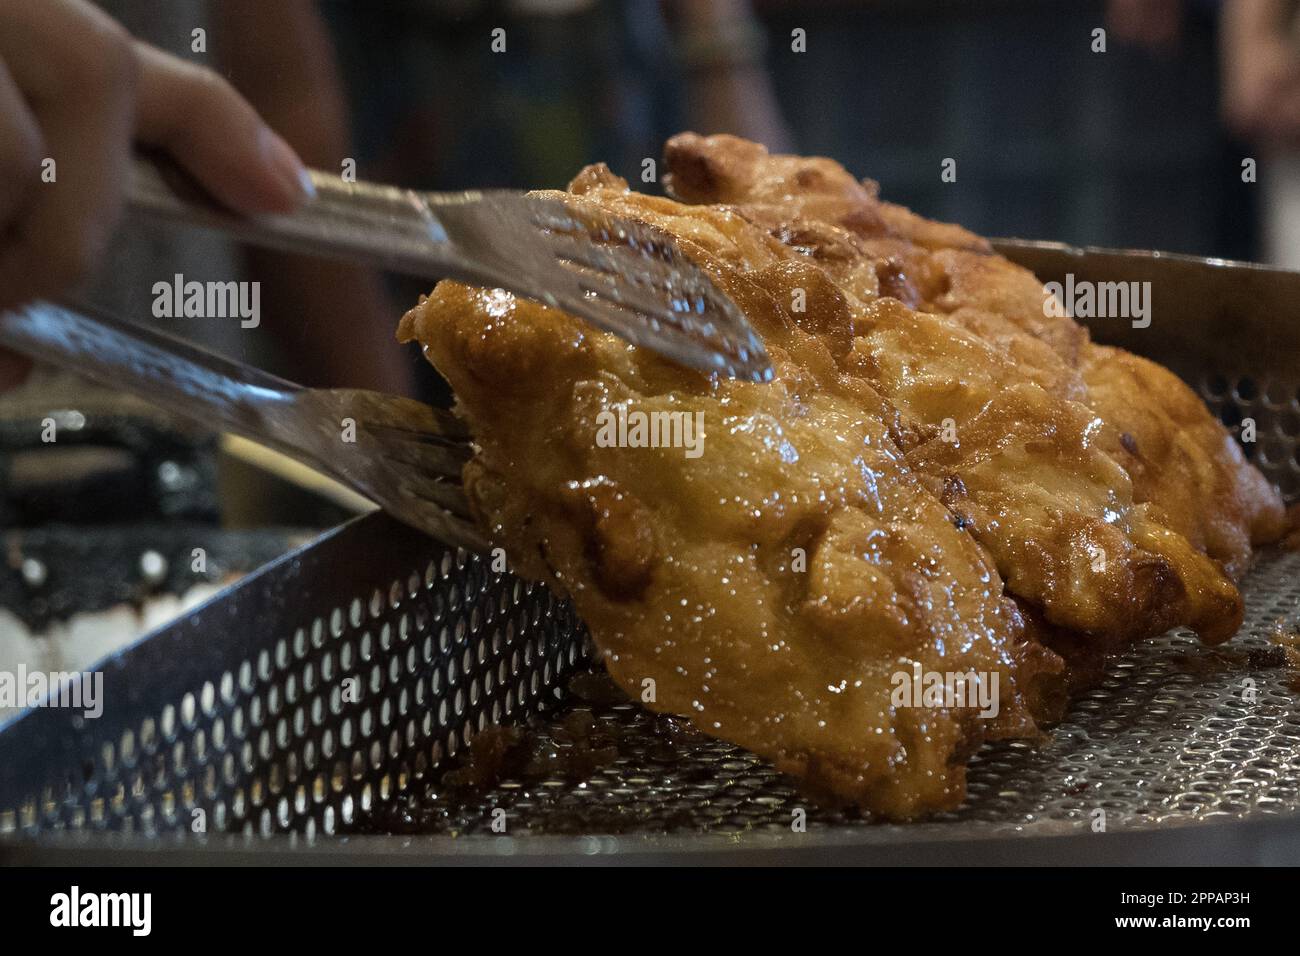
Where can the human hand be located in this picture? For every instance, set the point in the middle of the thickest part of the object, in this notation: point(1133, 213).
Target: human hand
point(76, 93)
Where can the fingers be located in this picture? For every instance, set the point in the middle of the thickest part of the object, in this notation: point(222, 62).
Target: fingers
point(77, 90)
point(211, 130)
point(76, 71)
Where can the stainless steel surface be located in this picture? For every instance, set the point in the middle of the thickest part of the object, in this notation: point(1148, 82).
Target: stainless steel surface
point(401, 454)
point(1209, 315)
point(622, 276)
point(1268, 841)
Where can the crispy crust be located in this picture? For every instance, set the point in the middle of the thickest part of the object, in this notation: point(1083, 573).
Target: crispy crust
point(942, 475)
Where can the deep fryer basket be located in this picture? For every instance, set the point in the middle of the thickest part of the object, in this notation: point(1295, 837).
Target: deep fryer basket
point(236, 715)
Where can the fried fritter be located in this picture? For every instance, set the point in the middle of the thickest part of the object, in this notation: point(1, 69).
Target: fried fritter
point(931, 469)
point(1040, 453)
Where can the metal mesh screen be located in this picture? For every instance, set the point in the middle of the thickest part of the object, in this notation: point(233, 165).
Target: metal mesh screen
point(1273, 404)
point(1176, 732)
point(310, 724)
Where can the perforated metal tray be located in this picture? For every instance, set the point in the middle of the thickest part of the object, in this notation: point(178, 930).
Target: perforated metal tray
point(236, 716)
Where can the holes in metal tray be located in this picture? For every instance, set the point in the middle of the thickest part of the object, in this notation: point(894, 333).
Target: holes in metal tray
point(1273, 404)
point(440, 652)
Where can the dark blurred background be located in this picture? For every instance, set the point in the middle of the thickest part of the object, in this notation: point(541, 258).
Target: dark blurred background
point(1052, 139)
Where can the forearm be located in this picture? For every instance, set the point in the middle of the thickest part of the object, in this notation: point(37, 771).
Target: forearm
point(728, 88)
point(284, 63)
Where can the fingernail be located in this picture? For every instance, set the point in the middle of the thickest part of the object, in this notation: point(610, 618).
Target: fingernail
point(286, 164)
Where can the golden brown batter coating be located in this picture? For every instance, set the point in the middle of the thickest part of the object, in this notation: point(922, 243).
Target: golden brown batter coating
point(744, 583)
point(1046, 492)
point(933, 458)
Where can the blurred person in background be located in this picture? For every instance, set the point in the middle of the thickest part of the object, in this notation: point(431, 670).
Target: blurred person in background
point(1261, 100)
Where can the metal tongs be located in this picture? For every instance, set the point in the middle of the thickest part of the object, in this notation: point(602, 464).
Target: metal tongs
point(621, 276)
point(401, 454)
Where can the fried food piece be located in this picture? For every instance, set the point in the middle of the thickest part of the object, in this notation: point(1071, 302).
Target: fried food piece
point(929, 482)
point(1180, 460)
point(1186, 465)
point(1035, 487)
point(769, 589)
point(992, 383)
